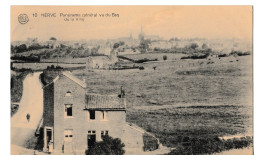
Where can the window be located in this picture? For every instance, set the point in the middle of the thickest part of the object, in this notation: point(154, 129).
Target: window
point(104, 133)
point(91, 114)
point(68, 93)
point(91, 132)
point(68, 110)
point(104, 115)
point(68, 135)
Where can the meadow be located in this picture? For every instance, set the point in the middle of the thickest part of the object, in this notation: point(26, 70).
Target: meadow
point(176, 99)
point(183, 98)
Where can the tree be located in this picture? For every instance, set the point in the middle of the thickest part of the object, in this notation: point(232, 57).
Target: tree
point(35, 46)
point(53, 38)
point(121, 43)
point(165, 57)
point(174, 39)
point(21, 48)
point(109, 145)
point(204, 46)
point(194, 46)
point(144, 45)
point(116, 45)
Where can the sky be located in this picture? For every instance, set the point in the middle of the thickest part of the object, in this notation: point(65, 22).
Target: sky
point(166, 21)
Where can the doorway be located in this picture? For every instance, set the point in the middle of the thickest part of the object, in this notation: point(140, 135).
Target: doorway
point(49, 135)
point(48, 138)
point(91, 140)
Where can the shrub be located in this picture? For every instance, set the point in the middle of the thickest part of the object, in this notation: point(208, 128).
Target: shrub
point(222, 55)
point(141, 68)
point(14, 109)
point(165, 57)
point(150, 143)
point(17, 84)
point(109, 145)
point(211, 145)
point(196, 57)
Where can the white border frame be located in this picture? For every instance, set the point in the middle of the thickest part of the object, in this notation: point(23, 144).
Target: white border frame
point(5, 42)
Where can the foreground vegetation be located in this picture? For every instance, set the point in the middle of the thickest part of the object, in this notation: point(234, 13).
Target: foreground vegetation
point(197, 146)
point(17, 84)
point(108, 145)
point(17, 88)
point(184, 98)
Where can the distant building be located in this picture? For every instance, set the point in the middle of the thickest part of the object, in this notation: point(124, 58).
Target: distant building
point(162, 44)
point(102, 62)
point(73, 120)
point(143, 36)
point(128, 51)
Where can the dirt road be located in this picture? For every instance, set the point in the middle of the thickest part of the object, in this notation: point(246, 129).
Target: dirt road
point(32, 103)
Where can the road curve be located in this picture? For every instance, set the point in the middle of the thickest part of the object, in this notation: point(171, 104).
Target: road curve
point(32, 103)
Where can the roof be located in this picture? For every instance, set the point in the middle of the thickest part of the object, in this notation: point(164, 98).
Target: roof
point(71, 77)
point(104, 102)
point(76, 80)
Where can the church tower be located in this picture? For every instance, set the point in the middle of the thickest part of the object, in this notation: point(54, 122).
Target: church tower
point(141, 34)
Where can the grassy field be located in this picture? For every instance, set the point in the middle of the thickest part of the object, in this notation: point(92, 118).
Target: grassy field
point(179, 98)
point(209, 97)
point(66, 60)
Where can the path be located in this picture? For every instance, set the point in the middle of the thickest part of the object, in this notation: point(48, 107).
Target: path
point(244, 151)
point(32, 103)
point(133, 140)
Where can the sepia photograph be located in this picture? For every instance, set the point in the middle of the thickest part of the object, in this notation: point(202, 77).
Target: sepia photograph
point(131, 80)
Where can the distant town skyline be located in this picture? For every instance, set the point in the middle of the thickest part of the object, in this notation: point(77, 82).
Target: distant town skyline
point(165, 21)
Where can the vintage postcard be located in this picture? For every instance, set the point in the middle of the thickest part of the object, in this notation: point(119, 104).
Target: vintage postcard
point(113, 80)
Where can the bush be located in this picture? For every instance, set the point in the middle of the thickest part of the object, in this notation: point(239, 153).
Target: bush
point(165, 57)
point(150, 143)
point(239, 53)
point(14, 109)
point(109, 146)
point(141, 68)
point(211, 145)
point(17, 84)
point(196, 57)
point(30, 58)
point(222, 55)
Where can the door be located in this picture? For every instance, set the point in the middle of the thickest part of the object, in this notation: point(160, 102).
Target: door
point(48, 139)
point(49, 136)
point(91, 140)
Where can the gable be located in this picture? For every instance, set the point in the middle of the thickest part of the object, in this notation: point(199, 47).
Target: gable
point(66, 83)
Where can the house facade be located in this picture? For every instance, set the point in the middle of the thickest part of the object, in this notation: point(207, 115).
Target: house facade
point(73, 120)
point(102, 62)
